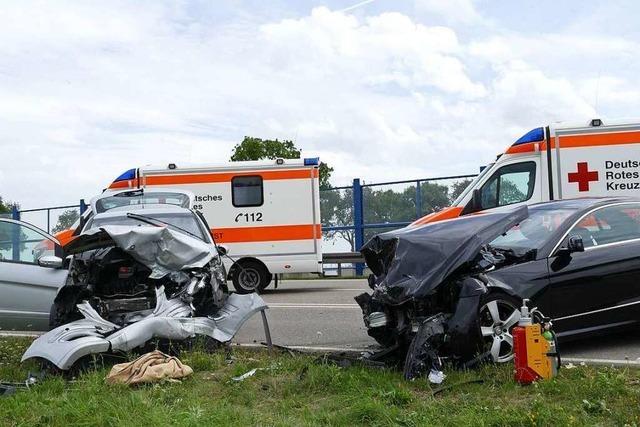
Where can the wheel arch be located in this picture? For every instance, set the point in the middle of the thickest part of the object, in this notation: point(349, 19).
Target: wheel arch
point(235, 265)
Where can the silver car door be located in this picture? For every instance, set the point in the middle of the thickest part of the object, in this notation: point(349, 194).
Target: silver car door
point(27, 289)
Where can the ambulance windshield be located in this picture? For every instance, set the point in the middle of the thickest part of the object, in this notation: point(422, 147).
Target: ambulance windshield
point(471, 185)
point(139, 197)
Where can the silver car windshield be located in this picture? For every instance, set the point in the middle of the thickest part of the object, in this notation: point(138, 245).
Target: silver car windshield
point(176, 221)
point(134, 198)
point(534, 231)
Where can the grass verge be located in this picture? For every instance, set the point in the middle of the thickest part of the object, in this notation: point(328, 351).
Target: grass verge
point(294, 390)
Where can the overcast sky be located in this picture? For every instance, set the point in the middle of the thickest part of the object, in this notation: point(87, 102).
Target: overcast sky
point(383, 89)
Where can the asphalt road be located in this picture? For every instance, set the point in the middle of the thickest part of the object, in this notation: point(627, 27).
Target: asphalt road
point(322, 313)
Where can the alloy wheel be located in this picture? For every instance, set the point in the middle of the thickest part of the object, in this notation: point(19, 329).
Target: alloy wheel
point(497, 319)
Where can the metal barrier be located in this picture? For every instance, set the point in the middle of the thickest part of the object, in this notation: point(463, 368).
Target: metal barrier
point(359, 210)
point(17, 214)
point(355, 213)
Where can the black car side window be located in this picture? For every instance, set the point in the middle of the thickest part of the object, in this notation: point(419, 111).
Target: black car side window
point(509, 184)
point(609, 225)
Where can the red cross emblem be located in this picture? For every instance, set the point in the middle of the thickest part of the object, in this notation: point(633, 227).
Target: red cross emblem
point(583, 177)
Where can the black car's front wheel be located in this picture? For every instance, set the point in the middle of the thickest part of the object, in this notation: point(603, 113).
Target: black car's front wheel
point(499, 314)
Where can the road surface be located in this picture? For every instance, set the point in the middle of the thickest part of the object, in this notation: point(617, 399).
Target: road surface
point(322, 313)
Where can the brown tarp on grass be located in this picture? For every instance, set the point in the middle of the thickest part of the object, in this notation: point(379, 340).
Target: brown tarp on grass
point(149, 368)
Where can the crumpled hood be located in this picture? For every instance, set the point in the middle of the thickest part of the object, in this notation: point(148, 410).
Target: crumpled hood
point(412, 262)
point(159, 248)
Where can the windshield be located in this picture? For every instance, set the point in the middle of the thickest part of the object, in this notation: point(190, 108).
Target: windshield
point(133, 198)
point(471, 185)
point(176, 221)
point(534, 231)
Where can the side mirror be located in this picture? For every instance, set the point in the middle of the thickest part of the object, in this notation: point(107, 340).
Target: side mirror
point(575, 244)
point(222, 251)
point(50, 261)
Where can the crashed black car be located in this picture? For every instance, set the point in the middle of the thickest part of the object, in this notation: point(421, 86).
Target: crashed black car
point(138, 274)
point(453, 288)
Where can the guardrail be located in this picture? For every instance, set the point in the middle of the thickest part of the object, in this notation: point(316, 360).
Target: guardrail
point(359, 225)
point(356, 216)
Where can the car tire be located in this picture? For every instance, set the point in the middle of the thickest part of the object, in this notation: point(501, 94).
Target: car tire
point(250, 276)
point(498, 315)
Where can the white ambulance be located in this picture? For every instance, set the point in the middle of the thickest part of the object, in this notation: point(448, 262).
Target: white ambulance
point(266, 214)
point(559, 161)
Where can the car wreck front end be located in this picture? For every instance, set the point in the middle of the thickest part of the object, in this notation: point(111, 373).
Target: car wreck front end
point(138, 278)
point(428, 283)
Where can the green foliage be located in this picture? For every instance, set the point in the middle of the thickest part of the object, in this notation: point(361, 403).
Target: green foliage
point(66, 220)
point(385, 206)
point(260, 149)
point(6, 207)
point(298, 390)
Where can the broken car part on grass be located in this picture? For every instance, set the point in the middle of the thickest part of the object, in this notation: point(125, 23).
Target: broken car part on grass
point(129, 284)
point(428, 283)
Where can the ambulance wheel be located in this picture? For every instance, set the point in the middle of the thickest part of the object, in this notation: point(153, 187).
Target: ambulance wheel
point(498, 314)
point(250, 276)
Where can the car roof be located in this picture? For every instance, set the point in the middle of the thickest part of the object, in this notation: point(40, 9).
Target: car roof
point(581, 203)
point(148, 209)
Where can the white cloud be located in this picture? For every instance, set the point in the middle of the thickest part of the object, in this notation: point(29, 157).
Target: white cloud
point(452, 11)
point(92, 89)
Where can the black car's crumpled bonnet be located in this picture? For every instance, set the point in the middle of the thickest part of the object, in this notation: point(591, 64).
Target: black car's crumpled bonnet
point(411, 262)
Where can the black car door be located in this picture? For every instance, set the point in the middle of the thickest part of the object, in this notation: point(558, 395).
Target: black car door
point(600, 287)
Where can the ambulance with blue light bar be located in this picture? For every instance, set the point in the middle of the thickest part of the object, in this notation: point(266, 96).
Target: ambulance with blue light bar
point(265, 214)
point(560, 161)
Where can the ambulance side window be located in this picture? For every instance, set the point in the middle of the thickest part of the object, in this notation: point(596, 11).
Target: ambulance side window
point(509, 184)
point(247, 191)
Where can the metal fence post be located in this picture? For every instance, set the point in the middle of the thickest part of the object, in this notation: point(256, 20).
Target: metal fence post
point(358, 221)
point(83, 206)
point(418, 200)
point(15, 235)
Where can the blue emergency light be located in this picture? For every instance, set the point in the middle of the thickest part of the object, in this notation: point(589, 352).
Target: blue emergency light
point(312, 161)
point(130, 174)
point(534, 135)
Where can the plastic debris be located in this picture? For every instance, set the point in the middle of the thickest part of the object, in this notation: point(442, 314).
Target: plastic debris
point(246, 375)
point(436, 377)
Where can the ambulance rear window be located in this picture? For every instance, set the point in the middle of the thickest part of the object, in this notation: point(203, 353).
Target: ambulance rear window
point(246, 191)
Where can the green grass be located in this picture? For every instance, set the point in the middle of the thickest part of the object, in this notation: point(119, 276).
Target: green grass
point(293, 390)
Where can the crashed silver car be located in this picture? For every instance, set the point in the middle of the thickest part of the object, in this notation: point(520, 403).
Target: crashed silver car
point(138, 275)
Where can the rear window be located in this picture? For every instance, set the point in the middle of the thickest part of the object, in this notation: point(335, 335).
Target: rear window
point(177, 222)
point(247, 191)
point(135, 198)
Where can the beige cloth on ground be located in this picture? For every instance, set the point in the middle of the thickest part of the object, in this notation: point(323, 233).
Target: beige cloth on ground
point(150, 367)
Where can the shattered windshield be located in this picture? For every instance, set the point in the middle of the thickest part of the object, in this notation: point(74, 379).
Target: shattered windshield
point(534, 231)
point(176, 221)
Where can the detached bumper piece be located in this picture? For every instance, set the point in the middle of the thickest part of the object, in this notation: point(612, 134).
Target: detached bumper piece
point(65, 345)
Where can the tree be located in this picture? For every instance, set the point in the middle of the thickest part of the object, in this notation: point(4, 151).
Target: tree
point(458, 187)
point(6, 207)
point(66, 220)
point(6, 229)
point(260, 149)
